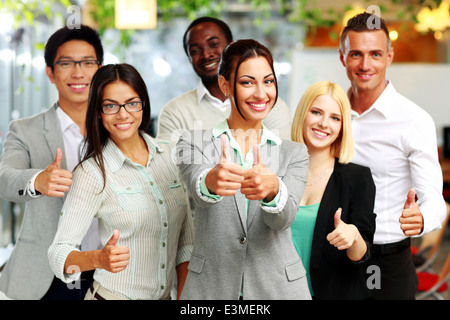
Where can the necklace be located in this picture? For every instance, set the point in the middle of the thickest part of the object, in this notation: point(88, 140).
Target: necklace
point(320, 178)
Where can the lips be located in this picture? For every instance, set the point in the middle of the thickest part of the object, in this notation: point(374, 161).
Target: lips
point(123, 126)
point(78, 87)
point(364, 76)
point(320, 134)
point(258, 106)
point(211, 65)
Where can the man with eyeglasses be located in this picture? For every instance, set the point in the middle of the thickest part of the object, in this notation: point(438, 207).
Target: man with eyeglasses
point(36, 166)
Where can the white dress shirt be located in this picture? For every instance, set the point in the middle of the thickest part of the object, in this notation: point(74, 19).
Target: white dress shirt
point(396, 139)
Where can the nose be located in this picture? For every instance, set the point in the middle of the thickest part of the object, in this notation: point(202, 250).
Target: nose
point(77, 71)
point(122, 113)
point(323, 122)
point(364, 63)
point(259, 93)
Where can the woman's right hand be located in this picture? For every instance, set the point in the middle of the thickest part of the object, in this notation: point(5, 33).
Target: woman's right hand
point(113, 258)
point(226, 177)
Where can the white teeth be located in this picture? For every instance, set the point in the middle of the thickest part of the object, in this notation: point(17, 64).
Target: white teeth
point(258, 105)
point(210, 65)
point(78, 86)
point(123, 125)
point(319, 133)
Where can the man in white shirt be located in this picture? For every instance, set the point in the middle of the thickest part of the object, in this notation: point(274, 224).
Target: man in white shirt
point(397, 140)
point(36, 166)
point(206, 106)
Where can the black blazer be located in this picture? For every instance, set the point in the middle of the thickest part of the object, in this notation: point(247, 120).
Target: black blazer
point(333, 274)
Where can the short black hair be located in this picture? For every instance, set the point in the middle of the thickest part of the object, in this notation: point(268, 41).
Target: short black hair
point(221, 24)
point(65, 34)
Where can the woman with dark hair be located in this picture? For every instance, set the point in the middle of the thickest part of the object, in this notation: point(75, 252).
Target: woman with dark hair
point(130, 183)
point(246, 184)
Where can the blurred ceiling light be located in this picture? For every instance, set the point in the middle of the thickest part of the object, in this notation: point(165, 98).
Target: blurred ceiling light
point(351, 13)
point(162, 67)
point(437, 19)
point(135, 14)
point(393, 35)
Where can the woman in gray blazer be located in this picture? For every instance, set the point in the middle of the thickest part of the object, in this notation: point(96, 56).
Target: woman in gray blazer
point(246, 184)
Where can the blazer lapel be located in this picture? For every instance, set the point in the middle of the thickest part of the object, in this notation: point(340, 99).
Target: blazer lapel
point(53, 134)
point(238, 197)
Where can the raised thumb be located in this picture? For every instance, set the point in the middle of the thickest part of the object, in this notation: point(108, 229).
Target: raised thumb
point(225, 156)
point(58, 159)
point(256, 155)
point(114, 238)
point(410, 199)
point(337, 217)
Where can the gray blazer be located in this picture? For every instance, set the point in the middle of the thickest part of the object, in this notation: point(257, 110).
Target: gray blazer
point(30, 146)
point(236, 253)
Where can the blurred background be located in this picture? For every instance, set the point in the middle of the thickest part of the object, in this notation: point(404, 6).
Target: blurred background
point(303, 36)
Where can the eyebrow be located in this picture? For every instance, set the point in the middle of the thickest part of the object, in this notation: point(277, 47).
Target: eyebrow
point(114, 101)
point(246, 75)
point(71, 58)
point(209, 39)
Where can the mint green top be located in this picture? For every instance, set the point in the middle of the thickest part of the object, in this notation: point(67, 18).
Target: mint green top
point(302, 235)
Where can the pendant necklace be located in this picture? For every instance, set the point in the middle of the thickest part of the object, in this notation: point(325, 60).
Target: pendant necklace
point(320, 178)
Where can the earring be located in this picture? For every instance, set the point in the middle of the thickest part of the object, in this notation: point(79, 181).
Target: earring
point(226, 94)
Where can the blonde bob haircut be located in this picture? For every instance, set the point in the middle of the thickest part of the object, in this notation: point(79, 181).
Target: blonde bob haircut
point(343, 147)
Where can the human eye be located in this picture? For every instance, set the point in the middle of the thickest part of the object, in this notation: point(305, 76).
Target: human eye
point(65, 64)
point(89, 63)
point(110, 108)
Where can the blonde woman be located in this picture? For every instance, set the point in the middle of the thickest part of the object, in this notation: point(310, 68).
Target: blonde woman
point(335, 222)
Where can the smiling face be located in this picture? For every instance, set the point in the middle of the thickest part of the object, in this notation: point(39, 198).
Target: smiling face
point(255, 89)
point(73, 84)
point(366, 58)
point(122, 126)
point(205, 43)
point(323, 123)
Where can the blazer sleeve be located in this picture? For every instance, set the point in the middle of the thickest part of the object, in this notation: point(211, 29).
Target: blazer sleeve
point(296, 162)
point(193, 158)
point(15, 170)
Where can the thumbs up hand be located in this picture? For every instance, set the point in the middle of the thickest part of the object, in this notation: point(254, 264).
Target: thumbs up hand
point(259, 182)
point(411, 220)
point(54, 181)
point(344, 235)
point(226, 177)
point(113, 258)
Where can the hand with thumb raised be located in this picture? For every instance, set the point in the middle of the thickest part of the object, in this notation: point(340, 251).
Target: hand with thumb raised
point(112, 257)
point(411, 220)
point(344, 234)
point(54, 181)
point(226, 177)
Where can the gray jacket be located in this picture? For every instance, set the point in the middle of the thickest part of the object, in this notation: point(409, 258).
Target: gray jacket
point(30, 146)
point(236, 253)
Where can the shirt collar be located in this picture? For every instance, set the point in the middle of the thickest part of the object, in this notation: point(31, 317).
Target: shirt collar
point(203, 92)
point(114, 158)
point(65, 121)
point(383, 103)
point(266, 136)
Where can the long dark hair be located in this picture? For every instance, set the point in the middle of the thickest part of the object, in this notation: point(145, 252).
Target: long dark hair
point(236, 53)
point(96, 134)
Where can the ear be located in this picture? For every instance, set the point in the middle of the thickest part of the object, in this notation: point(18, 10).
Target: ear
point(224, 85)
point(50, 75)
point(342, 57)
point(390, 56)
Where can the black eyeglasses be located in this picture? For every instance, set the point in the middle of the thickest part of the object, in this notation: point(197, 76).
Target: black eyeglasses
point(65, 65)
point(134, 106)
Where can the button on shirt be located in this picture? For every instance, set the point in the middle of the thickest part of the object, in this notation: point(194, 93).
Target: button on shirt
point(396, 139)
point(148, 205)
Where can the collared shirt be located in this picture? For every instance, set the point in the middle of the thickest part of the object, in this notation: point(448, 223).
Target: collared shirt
point(146, 204)
point(72, 145)
point(396, 139)
point(203, 93)
point(277, 204)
